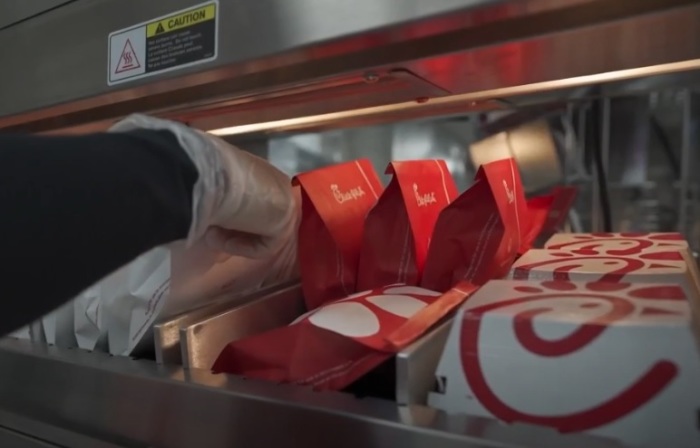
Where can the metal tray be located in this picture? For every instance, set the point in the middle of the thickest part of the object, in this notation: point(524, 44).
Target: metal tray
point(416, 366)
point(203, 340)
point(166, 333)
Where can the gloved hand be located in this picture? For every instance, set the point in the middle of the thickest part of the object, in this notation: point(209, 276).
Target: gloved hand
point(241, 204)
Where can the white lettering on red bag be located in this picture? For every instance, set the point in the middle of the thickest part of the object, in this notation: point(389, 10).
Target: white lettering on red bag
point(423, 200)
point(350, 195)
point(509, 193)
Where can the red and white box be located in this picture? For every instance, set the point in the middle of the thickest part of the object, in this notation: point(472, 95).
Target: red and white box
point(654, 265)
point(613, 359)
point(622, 244)
point(630, 257)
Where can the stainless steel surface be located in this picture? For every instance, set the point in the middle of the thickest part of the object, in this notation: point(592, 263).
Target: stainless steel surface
point(18, 440)
point(28, 431)
point(76, 50)
point(14, 11)
point(483, 49)
point(166, 334)
point(202, 342)
point(138, 403)
point(689, 212)
point(422, 139)
point(533, 148)
point(416, 366)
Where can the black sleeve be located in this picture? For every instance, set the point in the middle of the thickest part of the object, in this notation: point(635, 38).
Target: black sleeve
point(75, 208)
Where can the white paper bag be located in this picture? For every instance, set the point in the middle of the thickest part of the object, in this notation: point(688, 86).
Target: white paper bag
point(90, 331)
point(172, 279)
point(58, 326)
point(22, 333)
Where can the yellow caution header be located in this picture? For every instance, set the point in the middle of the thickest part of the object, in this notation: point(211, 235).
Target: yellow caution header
point(182, 20)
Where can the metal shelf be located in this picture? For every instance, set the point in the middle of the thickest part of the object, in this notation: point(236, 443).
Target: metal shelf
point(76, 398)
point(477, 50)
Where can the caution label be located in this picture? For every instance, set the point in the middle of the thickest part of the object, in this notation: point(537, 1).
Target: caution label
point(171, 42)
point(180, 21)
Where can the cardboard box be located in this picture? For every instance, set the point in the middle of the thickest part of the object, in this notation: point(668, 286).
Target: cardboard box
point(633, 257)
point(654, 265)
point(613, 359)
point(622, 244)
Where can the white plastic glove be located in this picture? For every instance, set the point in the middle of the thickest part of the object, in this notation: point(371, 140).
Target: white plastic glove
point(241, 203)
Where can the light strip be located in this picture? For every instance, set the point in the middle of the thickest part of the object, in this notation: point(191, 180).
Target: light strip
point(466, 98)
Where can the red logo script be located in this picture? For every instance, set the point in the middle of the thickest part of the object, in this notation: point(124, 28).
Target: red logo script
point(636, 395)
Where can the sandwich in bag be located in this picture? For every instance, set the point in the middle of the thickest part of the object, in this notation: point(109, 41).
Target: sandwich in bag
point(478, 236)
point(335, 344)
point(335, 201)
point(332, 346)
point(172, 279)
point(548, 214)
point(399, 227)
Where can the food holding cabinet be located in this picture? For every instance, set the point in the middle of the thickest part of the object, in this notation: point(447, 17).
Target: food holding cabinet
point(601, 96)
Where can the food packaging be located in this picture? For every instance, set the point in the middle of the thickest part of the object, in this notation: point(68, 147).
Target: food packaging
point(36, 332)
point(330, 347)
point(88, 320)
point(398, 229)
point(59, 327)
point(172, 279)
point(548, 214)
point(614, 359)
point(615, 244)
point(22, 333)
point(670, 249)
point(478, 236)
point(654, 265)
point(335, 201)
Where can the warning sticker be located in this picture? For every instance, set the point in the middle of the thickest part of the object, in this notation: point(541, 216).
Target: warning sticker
point(171, 42)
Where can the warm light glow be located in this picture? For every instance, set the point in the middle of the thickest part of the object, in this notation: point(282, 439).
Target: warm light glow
point(466, 98)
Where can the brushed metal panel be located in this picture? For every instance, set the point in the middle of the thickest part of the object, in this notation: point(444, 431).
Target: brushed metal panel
point(166, 334)
point(300, 45)
point(151, 405)
point(71, 65)
point(416, 366)
point(202, 341)
point(14, 11)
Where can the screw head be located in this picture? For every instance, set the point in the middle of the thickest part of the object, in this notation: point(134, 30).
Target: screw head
point(371, 77)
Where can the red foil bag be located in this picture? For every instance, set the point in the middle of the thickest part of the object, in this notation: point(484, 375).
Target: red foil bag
point(547, 215)
point(399, 227)
point(335, 203)
point(479, 235)
point(332, 346)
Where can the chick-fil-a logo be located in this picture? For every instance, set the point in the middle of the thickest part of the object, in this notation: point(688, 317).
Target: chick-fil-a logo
point(345, 196)
point(510, 194)
point(370, 316)
point(424, 199)
point(620, 244)
point(639, 392)
point(562, 264)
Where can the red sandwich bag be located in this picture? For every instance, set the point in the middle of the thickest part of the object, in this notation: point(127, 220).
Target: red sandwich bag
point(548, 214)
point(334, 201)
point(334, 345)
point(478, 236)
point(399, 227)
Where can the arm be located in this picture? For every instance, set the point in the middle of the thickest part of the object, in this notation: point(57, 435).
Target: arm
point(75, 209)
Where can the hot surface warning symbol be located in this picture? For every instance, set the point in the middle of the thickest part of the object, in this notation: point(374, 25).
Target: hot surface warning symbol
point(171, 42)
point(128, 60)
